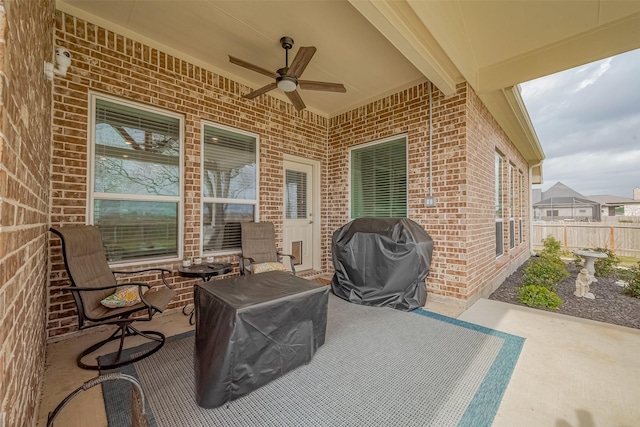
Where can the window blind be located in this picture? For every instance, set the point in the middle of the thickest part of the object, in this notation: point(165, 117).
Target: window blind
point(379, 180)
point(136, 176)
point(499, 204)
point(229, 186)
point(295, 195)
point(136, 151)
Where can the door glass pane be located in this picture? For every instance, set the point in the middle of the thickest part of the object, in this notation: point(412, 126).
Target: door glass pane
point(296, 194)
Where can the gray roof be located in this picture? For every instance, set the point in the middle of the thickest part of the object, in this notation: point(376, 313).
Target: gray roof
point(560, 190)
point(565, 201)
point(606, 199)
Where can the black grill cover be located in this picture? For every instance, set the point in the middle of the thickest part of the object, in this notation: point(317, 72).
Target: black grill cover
point(382, 262)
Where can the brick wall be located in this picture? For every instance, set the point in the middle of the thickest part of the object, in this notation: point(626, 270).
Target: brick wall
point(464, 139)
point(25, 109)
point(485, 138)
point(105, 62)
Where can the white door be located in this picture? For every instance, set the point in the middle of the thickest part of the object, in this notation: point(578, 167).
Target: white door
point(298, 213)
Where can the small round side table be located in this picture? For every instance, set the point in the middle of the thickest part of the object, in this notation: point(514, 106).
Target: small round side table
point(205, 272)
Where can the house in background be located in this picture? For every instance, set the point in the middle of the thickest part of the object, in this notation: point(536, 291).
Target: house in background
point(612, 206)
point(149, 135)
point(561, 203)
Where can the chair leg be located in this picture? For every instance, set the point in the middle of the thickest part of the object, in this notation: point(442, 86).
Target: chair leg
point(124, 330)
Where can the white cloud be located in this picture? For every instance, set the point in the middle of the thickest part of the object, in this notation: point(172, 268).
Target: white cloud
point(594, 72)
point(588, 122)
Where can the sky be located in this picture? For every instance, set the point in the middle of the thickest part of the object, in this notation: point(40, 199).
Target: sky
point(588, 122)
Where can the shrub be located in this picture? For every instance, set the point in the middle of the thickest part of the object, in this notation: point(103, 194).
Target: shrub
point(632, 277)
point(548, 269)
point(551, 246)
point(539, 296)
point(606, 266)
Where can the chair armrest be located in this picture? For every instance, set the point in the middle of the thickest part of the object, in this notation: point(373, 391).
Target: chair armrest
point(163, 270)
point(146, 270)
point(93, 382)
point(242, 263)
point(291, 259)
point(78, 289)
point(104, 288)
point(289, 255)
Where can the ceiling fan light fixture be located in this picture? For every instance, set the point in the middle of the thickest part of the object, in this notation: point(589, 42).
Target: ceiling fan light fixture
point(286, 83)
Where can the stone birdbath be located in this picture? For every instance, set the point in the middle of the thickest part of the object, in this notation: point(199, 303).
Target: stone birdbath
point(589, 261)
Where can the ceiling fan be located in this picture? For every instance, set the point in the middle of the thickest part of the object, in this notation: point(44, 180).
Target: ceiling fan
point(287, 79)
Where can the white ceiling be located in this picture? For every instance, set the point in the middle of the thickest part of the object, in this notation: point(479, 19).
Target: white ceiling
point(377, 47)
point(349, 49)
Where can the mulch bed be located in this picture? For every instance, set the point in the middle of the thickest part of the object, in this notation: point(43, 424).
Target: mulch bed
point(610, 305)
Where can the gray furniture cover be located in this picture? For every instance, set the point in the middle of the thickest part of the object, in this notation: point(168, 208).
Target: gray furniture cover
point(252, 329)
point(382, 262)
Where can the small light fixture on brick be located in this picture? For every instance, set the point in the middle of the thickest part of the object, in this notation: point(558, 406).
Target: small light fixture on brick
point(63, 61)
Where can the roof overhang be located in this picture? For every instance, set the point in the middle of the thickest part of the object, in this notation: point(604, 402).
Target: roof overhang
point(495, 46)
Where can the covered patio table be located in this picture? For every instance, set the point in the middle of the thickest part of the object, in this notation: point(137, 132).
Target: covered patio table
point(252, 329)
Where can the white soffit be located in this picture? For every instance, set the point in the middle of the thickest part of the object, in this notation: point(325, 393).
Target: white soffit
point(349, 49)
point(400, 25)
point(497, 44)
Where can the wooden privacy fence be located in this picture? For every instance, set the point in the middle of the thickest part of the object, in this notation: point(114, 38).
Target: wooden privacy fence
point(622, 239)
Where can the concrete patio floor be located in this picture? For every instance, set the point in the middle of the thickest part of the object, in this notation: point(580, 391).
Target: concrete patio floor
point(571, 373)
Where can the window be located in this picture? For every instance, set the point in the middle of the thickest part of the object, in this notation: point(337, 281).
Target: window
point(135, 177)
point(379, 179)
point(498, 205)
point(512, 207)
point(229, 186)
point(552, 213)
point(520, 205)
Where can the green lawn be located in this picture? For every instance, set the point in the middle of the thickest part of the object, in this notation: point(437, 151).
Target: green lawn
point(628, 261)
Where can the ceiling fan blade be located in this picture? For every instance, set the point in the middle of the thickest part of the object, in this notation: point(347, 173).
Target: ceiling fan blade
point(325, 86)
point(258, 92)
point(295, 99)
point(252, 67)
point(301, 61)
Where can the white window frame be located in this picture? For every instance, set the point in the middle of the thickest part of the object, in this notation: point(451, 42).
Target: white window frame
point(255, 203)
point(499, 202)
point(377, 142)
point(512, 205)
point(92, 195)
point(520, 206)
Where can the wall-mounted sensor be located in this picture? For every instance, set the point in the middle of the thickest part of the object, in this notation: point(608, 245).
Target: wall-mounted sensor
point(63, 61)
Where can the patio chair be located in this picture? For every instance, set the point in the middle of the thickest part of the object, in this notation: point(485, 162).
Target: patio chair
point(259, 253)
point(138, 414)
point(94, 286)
